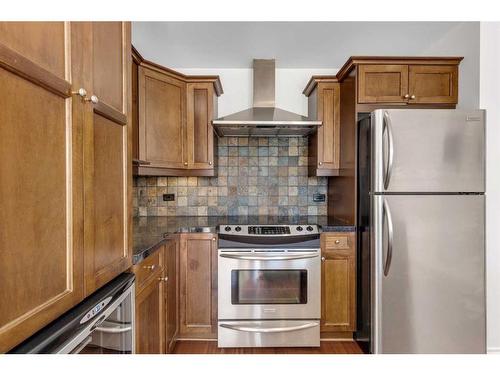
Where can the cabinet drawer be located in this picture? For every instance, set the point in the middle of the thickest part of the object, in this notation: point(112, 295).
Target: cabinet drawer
point(148, 267)
point(337, 242)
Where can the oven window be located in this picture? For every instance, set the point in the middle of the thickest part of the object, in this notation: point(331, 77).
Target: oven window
point(263, 287)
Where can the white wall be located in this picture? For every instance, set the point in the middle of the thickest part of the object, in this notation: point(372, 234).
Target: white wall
point(490, 100)
point(238, 87)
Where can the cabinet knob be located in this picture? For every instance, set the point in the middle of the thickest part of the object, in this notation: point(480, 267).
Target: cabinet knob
point(209, 163)
point(151, 267)
point(406, 96)
point(412, 97)
point(213, 239)
point(185, 163)
point(337, 241)
point(320, 163)
point(322, 259)
point(94, 99)
point(165, 279)
point(81, 92)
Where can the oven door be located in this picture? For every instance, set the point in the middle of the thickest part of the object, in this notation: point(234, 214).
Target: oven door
point(269, 284)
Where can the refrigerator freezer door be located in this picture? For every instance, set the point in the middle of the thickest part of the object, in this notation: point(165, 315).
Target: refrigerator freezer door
point(417, 150)
point(432, 298)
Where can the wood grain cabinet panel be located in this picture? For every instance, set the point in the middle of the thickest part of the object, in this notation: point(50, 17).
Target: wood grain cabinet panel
point(200, 113)
point(107, 155)
point(198, 286)
point(433, 84)
point(382, 83)
point(150, 318)
point(161, 120)
point(324, 145)
point(41, 242)
point(338, 283)
point(172, 294)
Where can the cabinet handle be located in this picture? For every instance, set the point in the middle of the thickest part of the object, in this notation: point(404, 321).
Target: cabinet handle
point(209, 163)
point(320, 163)
point(337, 241)
point(163, 278)
point(406, 96)
point(185, 163)
point(94, 99)
point(322, 259)
point(152, 267)
point(81, 92)
point(140, 162)
point(412, 97)
point(213, 239)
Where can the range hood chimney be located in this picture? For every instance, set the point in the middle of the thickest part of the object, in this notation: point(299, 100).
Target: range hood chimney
point(264, 119)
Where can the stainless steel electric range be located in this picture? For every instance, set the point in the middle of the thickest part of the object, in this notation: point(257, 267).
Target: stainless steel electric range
point(269, 285)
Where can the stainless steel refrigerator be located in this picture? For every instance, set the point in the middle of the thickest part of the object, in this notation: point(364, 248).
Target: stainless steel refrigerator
point(421, 231)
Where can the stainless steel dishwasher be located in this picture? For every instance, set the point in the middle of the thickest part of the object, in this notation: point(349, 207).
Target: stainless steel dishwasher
point(101, 324)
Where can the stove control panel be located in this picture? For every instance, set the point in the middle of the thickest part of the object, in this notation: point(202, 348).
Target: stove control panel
point(269, 230)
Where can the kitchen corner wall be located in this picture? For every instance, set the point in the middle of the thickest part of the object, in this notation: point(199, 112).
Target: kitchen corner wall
point(255, 176)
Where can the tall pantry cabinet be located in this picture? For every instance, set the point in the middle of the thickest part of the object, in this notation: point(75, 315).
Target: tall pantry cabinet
point(65, 167)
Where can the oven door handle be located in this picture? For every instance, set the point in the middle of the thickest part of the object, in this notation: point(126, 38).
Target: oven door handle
point(269, 330)
point(271, 257)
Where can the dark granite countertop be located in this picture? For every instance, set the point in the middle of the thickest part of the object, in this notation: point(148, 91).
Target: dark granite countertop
point(152, 231)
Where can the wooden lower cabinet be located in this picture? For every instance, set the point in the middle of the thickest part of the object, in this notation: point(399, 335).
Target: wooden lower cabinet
point(156, 301)
point(150, 317)
point(338, 283)
point(171, 294)
point(198, 286)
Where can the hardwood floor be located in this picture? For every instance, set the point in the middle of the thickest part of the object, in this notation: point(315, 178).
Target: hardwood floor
point(210, 347)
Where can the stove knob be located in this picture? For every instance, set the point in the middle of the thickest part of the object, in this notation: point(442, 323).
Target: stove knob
point(237, 229)
point(299, 229)
point(227, 229)
point(309, 228)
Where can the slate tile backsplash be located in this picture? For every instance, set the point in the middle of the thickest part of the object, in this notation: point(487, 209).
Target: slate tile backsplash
point(256, 176)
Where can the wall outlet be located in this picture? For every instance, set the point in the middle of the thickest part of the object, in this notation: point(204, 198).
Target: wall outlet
point(319, 197)
point(168, 197)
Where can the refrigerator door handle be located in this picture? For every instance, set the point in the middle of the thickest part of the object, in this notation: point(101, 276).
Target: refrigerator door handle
point(386, 129)
point(390, 230)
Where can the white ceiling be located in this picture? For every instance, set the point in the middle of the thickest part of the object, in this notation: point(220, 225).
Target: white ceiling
point(293, 44)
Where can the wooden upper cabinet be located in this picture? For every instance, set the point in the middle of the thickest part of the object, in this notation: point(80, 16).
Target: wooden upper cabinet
point(324, 145)
point(162, 129)
point(200, 133)
point(433, 84)
point(382, 83)
point(198, 286)
point(107, 154)
point(174, 134)
point(41, 189)
point(404, 80)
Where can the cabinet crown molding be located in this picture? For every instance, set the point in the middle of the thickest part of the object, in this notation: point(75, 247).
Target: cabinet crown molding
point(214, 79)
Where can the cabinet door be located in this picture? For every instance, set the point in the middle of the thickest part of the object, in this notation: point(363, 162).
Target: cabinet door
point(338, 278)
point(328, 135)
point(149, 318)
point(433, 84)
point(162, 135)
point(382, 83)
point(200, 133)
point(198, 286)
point(107, 155)
point(41, 243)
point(171, 297)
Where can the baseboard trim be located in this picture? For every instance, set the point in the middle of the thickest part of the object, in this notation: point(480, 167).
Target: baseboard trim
point(194, 339)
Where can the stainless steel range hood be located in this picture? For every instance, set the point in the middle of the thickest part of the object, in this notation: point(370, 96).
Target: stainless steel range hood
point(264, 119)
